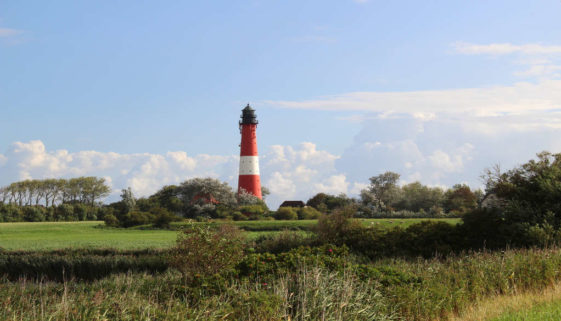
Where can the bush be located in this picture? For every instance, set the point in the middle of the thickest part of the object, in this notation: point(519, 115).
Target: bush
point(286, 213)
point(34, 214)
point(65, 212)
point(111, 220)
point(332, 228)
point(253, 212)
point(163, 217)
point(308, 213)
point(202, 251)
point(10, 213)
point(136, 218)
point(282, 242)
point(80, 212)
point(238, 216)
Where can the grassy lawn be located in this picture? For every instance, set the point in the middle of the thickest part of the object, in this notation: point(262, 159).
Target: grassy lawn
point(57, 235)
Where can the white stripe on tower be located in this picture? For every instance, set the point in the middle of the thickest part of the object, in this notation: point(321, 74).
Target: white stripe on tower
point(249, 165)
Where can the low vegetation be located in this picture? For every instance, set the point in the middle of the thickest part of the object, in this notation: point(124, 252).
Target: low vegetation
point(337, 267)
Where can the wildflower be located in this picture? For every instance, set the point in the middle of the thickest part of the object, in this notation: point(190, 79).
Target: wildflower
point(330, 251)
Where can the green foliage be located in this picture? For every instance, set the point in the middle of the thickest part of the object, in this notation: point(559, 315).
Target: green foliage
point(253, 212)
point(202, 252)
point(65, 212)
point(83, 190)
point(111, 220)
point(327, 203)
point(11, 213)
point(308, 213)
point(201, 195)
point(384, 189)
point(33, 214)
point(333, 228)
point(286, 213)
point(136, 218)
point(238, 216)
point(162, 217)
point(283, 242)
point(416, 197)
point(460, 199)
point(78, 264)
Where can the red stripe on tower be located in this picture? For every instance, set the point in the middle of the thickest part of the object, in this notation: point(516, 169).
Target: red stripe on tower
point(249, 179)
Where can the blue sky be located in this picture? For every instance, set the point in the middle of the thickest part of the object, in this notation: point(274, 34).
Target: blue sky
point(148, 93)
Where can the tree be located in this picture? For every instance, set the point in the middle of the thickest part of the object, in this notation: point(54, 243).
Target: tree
point(167, 197)
point(265, 192)
point(384, 188)
point(531, 192)
point(327, 203)
point(201, 195)
point(128, 200)
point(416, 197)
point(459, 199)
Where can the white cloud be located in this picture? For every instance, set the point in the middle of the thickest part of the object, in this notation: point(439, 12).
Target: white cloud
point(289, 172)
point(144, 173)
point(300, 172)
point(505, 49)
point(335, 184)
point(542, 60)
point(520, 98)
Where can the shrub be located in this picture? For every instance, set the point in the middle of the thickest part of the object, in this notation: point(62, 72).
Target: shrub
point(238, 216)
point(34, 214)
point(111, 220)
point(65, 212)
point(202, 251)
point(136, 218)
point(163, 217)
point(253, 212)
point(282, 242)
point(332, 228)
point(10, 213)
point(286, 213)
point(308, 213)
point(80, 212)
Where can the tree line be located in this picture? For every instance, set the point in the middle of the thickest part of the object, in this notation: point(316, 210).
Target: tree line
point(385, 197)
point(50, 192)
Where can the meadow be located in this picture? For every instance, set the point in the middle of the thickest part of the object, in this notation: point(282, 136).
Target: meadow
point(86, 271)
point(93, 234)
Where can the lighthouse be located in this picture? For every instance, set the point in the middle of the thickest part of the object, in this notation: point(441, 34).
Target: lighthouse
point(249, 180)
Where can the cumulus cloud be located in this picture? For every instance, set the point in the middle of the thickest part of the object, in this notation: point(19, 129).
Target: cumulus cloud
point(440, 151)
point(289, 171)
point(300, 172)
point(144, 173)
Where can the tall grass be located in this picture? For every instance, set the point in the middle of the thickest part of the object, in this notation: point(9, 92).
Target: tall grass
point(307, 294)
point(451, 285)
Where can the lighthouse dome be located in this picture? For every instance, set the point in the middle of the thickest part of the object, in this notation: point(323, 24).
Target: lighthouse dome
point(248, 116)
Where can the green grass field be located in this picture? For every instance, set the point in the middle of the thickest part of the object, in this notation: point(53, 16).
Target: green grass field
point(550, 311)
point(58, 235)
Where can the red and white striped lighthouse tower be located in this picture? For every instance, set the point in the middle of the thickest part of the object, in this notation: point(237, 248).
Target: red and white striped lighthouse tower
point(249, 180)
